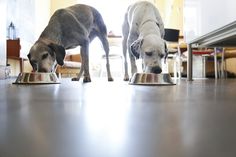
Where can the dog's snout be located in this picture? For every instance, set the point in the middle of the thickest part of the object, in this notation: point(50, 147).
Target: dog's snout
point(156, 70)
point(149, 53)
point(34, 65)
point(43, 70)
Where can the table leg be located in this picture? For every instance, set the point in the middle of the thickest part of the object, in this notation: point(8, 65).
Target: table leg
point(190, 64)
point(21, 65)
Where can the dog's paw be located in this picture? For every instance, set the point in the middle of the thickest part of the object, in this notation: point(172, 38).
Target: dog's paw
point(110, 79)
point(126, 79)
point(75, 79)
point(86, 79)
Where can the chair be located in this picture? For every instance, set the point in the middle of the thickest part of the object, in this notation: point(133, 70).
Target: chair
point(219, 56)
point(72, 64)
point(205, 53)
point(175, 50)
point(225, 53)
point(172, 40)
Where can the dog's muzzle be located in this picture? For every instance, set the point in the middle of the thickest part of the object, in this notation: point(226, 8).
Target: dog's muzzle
point(155, 69)
point(34, 65)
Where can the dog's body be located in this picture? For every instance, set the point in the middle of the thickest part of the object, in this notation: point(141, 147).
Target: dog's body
point(68, 28)
point(143, 32)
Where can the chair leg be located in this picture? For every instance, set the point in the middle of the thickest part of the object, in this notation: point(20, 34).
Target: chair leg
point(225, 68)
point(219, 69)
point(179, 62)
point(175, 68)
point(222, 64)
point(204, 66)
point(215, 62)
point(165, 66)
point(179, 67)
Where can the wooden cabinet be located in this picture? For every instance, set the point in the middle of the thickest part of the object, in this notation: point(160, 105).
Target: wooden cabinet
point(13, 52)
point(13, 48)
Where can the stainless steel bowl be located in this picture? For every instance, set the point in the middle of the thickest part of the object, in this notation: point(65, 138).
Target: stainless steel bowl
point(37, 78)
point(151, 79)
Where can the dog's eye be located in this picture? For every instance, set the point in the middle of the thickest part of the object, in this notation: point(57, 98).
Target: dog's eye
point(45, 56)
point(149, 53)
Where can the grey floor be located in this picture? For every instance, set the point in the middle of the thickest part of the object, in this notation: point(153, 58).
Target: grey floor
point(114, 119)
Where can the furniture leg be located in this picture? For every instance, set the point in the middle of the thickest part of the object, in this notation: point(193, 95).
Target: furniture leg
point(215, 63)
point(204, 66)
point(222, 64)
point(190, 64)
point(21, 65)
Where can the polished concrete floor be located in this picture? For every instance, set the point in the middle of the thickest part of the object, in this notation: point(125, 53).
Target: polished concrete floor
point(114, 119)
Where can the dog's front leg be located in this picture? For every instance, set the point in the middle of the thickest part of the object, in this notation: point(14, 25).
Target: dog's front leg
point(133, 64)
point(79, 75)
point(131, 39)
point(85, 61)
point(124, 46)
point(81, 70)
point(84, 65)
point(125, 32)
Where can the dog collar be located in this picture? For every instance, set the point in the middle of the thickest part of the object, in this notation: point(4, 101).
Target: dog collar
point(47, 41)
point(150, 20)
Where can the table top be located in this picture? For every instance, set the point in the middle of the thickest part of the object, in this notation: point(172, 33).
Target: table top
point(222, 37)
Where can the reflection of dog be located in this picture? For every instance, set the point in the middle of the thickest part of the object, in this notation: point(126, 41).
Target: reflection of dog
point(69, 28)
point(143, 32)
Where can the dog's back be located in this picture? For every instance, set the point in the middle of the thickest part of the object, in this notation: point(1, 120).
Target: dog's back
point(85, 11)
point(74, 23)
point(143, 10)
point(98, 21)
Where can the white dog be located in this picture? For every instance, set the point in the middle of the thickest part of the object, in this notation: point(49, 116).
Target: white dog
point(143, 32)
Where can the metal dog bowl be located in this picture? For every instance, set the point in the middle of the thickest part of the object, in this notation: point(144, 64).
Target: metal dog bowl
point(37, 78)
point(151, 79)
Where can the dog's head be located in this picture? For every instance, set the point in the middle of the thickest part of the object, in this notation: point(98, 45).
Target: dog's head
point(44, 57)
point(151, 49)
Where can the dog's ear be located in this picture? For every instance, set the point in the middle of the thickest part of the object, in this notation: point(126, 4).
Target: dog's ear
point(166, 51)
point(59, 51)
point(135, 47)
point(29, 56)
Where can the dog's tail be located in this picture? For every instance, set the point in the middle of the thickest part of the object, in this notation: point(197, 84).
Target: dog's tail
point(98, 21)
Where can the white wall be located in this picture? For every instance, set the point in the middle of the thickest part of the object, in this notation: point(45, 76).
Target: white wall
point(29, 21)
point(112, 12)
point(204, 16)
point(3, 32)
point(42, 15)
